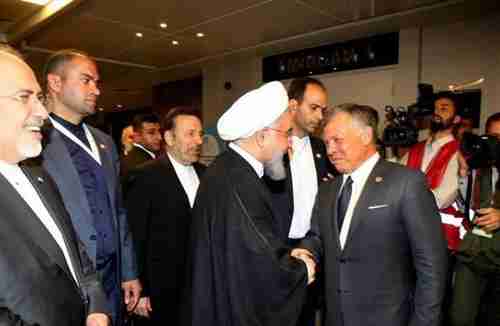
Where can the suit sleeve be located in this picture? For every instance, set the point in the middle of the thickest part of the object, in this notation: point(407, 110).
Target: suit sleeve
point(423, 224)
point(138, 204)
point(8, 318)
point(128, 259)
point(312, 240)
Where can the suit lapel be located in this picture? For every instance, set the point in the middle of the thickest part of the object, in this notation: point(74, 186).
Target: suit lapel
point(372, 187)
point(318, 158)
point(108, 166)
point(32, 228)
point(336, 185)
point(60, 162)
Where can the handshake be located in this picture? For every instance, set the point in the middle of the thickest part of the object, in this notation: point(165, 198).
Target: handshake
point(306, 256)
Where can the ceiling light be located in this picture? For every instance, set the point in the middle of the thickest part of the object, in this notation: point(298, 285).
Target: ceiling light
point(163, 25)
point(174, 42)
point(139, 35)
point(37, 2)
point(200, 34)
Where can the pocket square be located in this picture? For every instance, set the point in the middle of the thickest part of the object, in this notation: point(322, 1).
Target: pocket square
point(377, 206)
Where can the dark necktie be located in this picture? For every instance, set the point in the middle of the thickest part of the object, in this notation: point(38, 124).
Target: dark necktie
point(343, 202)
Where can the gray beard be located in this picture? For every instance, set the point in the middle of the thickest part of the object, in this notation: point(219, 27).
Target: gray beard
point(275, 169)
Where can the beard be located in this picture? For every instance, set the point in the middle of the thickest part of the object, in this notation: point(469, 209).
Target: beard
point(29, 149)
point(438, 124)
point(275, 168)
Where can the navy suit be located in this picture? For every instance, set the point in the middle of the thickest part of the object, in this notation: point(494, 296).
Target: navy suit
point(61, 166)
point(392, 268)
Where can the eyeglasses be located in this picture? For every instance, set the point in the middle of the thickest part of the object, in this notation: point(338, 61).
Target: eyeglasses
point(24, 97)
point(287, 133)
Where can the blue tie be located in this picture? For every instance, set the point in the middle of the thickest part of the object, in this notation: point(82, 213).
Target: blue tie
point(343, 202)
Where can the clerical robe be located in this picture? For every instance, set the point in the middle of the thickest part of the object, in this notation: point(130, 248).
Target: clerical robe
point(241, 273)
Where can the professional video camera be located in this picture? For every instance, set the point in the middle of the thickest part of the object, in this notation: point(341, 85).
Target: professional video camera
point(481, 151)
point(401, 129)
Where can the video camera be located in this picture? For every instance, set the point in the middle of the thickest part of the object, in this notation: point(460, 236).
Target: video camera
point(401, 129)
point(480, 151)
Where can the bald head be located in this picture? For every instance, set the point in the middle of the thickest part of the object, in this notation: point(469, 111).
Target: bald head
point(22, 112)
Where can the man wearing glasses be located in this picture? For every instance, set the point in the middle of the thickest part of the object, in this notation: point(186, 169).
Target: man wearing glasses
point(45, 275)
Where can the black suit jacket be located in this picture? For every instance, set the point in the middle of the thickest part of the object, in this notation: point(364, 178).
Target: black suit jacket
point(36, 286)
point(159, 217)
point(392, 269)
point(282, 191)
point(137, 156)
point(481, 253)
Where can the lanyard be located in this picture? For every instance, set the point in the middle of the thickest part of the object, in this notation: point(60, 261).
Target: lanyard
point(93, 151)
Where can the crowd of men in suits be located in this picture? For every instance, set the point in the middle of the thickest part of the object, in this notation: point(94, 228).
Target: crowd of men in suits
point(300, 221)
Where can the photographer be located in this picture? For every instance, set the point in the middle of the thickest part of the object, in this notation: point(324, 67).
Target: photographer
point(437, 157)
point(477, 273)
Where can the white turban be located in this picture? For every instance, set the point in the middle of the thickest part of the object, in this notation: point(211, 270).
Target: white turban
point(253, 111)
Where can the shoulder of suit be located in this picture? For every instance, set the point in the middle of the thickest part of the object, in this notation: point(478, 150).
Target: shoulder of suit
point(400, 172)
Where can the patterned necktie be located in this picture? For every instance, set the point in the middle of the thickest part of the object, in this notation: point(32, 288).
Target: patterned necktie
point(343, 202)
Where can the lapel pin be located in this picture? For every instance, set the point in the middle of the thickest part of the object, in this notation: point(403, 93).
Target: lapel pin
point(318, 155)
point(39, 179)
point(378, 179)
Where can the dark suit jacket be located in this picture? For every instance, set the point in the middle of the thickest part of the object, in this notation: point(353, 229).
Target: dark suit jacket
point(282, 191)
point(57, 161)
point(133, 159)
point(392, 270)
point(159, 217)
point(481, 253)
point(36, 285)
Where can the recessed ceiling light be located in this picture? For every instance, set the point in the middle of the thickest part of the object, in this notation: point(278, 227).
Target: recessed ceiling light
point(163, 25)
point(174, 42)
point(139, 35)
point(200, 35)
point(37, 2)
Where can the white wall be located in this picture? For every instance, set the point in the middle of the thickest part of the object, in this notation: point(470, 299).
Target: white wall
point(440, 55)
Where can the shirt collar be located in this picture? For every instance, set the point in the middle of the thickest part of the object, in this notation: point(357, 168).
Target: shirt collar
point(7, 167)
point(153, 155)
point(176, 164)
point(254, 163)
point(68, 125)
point(364, 170)
point(441, 141)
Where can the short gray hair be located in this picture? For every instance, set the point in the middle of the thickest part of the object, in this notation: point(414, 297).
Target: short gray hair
point(363, 114)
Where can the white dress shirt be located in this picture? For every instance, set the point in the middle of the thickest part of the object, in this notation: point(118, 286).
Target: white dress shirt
point(254, 163)
point(21, 183)
point(446, 193)
point(305, 186)
point(153, 155)
point(359, 177)
point(188, 177)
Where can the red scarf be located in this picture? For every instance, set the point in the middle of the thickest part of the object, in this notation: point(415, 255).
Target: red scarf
point(437, 167)
point(435, 173)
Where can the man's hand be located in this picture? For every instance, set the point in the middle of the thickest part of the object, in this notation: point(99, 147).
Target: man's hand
point(489, 220)
point(307, 258)
point(97, 319)
point(143, 307)
point(131, 293)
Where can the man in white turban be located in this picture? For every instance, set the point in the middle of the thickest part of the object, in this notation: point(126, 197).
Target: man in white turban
point(241, 272)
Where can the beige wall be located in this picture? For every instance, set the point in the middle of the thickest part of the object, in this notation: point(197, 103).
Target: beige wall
point(439, 55)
